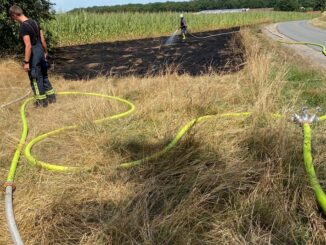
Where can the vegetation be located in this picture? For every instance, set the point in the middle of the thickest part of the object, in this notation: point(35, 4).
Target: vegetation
point(320, 5)
point(39, 10)
point(228, 182)
point(320, 21)
point(199, 5)
point(83, 27)
point(287, 5)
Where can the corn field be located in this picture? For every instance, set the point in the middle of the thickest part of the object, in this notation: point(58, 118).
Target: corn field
point(84, 27)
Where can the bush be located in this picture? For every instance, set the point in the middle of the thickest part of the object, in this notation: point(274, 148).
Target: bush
point(320, 5)
point(287, 5)
point(39, 10)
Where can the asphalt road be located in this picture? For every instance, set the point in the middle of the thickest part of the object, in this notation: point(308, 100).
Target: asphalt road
point(302, 31)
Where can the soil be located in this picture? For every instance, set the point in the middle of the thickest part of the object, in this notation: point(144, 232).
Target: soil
point(150, 57)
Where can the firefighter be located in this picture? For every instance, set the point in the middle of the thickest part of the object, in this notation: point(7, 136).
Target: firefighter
point(36, 54)
point(183, 27)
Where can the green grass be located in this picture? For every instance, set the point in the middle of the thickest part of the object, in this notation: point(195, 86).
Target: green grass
point(309, 82)
point(83, 27)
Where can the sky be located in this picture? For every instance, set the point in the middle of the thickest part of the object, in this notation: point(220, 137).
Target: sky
point(65, 5)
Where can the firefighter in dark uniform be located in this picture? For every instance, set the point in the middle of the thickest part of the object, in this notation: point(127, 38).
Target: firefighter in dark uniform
point(183, 27)
point(36, 55)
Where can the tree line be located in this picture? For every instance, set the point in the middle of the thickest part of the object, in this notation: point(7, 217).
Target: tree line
point(200, 5)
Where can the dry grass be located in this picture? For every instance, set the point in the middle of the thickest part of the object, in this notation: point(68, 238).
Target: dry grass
point(11, 86)
point(320, 22)
point(228, 182)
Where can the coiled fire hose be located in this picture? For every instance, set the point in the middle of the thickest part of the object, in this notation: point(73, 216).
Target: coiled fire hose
point(9, 184)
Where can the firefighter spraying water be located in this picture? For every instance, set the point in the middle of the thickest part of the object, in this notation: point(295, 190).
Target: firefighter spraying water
point(183, 29)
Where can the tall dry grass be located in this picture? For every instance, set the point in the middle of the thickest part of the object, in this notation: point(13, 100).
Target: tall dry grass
point(228, 181)
point(320, 21)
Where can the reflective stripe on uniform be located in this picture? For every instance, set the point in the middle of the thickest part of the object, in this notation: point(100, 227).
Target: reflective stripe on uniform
point(40, 97)
point(50, 92)
point(37, 91)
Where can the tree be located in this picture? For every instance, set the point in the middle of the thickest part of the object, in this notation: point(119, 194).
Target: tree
point(320, 5)
point(287, 5)
point(307, 3)
point(39, 10)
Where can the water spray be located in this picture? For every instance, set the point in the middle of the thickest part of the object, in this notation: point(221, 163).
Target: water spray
point(171, 39)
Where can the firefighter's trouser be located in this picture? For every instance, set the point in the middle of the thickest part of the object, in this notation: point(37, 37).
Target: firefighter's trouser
point(183, 32)
point(38, 74)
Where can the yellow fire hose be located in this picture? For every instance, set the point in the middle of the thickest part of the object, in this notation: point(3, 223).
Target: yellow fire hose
point(323, 48)
point(313, 180)
point(54, 167)
point(28, 155)
point(172, 144)
point(178, 137)
point(308, 161)
point(59, 168)
point(307, 43)
point(9, 185)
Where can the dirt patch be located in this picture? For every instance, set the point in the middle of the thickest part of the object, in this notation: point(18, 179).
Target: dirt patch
point(148, 57)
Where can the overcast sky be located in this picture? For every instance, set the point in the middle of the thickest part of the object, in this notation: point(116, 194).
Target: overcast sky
point(65, 5)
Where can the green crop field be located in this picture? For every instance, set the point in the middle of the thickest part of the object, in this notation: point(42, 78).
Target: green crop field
point(83, 27)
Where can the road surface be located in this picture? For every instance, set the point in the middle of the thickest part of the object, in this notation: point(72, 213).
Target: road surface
point(302, 31)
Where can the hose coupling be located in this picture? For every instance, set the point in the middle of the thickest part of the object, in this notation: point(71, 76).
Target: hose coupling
point(7, 184)
point(305, 117)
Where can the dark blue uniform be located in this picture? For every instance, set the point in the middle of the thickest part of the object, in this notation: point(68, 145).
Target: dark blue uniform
point(38, 73)
point(183, 27)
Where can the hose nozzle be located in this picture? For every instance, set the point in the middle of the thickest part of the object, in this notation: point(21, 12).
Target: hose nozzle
point(305, 117)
